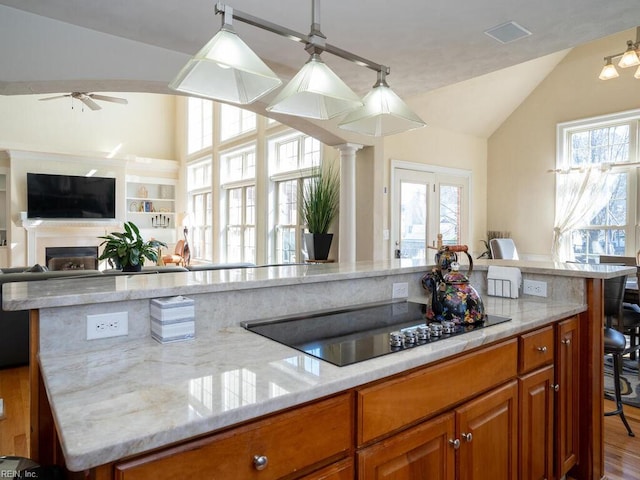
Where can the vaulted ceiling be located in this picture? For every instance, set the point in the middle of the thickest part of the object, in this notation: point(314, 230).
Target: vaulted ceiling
point(50, 46)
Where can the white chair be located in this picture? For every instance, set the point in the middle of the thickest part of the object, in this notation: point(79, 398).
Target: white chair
point(503, 248)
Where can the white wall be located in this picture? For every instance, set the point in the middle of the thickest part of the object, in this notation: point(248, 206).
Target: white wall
point(145, 127)
point(521, 194)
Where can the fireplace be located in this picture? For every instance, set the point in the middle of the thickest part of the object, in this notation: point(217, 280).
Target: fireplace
point(71, 258)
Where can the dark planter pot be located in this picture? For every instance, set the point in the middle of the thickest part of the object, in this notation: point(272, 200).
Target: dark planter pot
point(318, 245)
point(132, 268)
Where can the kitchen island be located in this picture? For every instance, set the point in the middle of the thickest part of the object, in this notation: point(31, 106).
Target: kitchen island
point(108, 402)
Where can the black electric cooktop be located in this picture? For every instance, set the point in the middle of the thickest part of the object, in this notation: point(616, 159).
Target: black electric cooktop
point(352, 335)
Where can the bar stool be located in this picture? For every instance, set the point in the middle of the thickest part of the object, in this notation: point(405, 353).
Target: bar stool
point(615, 343)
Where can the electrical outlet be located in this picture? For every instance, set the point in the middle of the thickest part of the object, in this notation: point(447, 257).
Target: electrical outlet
point(534, 287)
point(400, 290)
point(105, 325)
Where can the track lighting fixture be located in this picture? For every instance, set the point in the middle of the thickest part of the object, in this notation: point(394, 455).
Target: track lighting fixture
point(226, 69)
point(628, 58)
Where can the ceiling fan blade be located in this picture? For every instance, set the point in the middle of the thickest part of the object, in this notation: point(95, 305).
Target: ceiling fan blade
point(53, 98)
point(106, 98)
point(89, 103)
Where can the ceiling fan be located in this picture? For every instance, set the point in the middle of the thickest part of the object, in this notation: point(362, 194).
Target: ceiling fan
point(88, 99)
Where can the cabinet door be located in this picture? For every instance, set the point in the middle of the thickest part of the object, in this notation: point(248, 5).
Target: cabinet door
point(568, 396)
point(536, 424)
point(488, 432)
point(420, 452)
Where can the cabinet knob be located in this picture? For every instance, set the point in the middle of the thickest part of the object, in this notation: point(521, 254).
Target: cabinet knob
point(260, 462)
point(455, 443)
point(542, 349)
point(555, 387)
point(566, 341)
point(467, 436)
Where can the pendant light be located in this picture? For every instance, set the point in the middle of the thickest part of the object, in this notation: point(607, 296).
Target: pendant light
point(315, 92)
point(608, 71)
point(629, 57)
point(383, 113)
point(226, 69)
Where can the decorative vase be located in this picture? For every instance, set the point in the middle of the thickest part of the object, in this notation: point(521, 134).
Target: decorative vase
point(318, 245)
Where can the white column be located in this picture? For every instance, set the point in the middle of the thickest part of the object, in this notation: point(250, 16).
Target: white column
point(347, 244)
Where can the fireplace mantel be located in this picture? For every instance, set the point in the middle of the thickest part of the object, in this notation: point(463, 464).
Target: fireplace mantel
point(63, 233)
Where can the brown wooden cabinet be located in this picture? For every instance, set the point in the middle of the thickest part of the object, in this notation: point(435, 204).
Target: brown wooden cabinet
point(488, 434)
point(536, 424)
point(568, 397)
point(477, 440)
point(420, 452)
point(536, 393)
point(275, 447)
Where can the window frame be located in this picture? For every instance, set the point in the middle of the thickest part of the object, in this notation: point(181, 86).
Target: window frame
point(630, 167)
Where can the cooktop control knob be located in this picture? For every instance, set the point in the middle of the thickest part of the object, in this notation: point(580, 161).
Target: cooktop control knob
point(396, 339)
point(436, 329)
point(448, 327)
point(409, 338)
point(422, 333)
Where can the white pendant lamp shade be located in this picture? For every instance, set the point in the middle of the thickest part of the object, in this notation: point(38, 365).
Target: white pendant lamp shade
point(315, 92)
point(608, 71)
point(630, 57)
point(226, 69)
point(383, 113)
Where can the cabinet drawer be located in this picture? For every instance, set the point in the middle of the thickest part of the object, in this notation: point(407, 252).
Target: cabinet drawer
point(391, 405)
point(291, 441)
point(536, 349)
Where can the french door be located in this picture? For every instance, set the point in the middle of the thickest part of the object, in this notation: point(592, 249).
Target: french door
point(425, 204)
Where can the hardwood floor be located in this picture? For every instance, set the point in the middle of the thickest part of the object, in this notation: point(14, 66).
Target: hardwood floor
point(14, 390)
point(622, 453)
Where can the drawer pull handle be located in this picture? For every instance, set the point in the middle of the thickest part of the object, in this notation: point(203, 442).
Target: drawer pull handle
point(467, 436)
point(455, 443)
point(566, 341)
point(542, 349)
point(555, 388)
point(260, 462)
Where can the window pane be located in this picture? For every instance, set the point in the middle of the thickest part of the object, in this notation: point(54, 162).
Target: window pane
point(589, 244)
point(249, 245)
point(450, 212)
point(235, 121)
point(287, 202)
point(600, 145)
point(413, 219)
point(234, 244)
point(286, 245)
point(199, 124)
point(235, 206)
point(288, 156)
point(615, 213)
point(250, 206)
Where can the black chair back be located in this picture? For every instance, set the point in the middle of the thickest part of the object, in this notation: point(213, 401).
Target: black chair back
point(613, 297)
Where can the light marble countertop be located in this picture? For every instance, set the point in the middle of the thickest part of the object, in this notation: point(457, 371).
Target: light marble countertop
point(113, 288)
point(116, 402)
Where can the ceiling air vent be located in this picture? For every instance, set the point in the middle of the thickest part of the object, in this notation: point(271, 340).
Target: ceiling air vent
point(508, 32)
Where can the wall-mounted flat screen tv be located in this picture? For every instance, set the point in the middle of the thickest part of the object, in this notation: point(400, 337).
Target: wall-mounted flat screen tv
point(69, 196)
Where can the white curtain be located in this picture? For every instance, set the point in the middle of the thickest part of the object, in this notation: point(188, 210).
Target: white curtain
point(580, 195)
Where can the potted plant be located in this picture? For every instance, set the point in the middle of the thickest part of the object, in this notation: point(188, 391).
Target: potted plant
point(319, 205)
point(127, 250)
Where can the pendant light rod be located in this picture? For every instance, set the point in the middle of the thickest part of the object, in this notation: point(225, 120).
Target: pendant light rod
point(316, 45)
point(630, 43)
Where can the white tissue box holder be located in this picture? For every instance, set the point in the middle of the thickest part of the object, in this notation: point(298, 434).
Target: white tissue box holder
point(172, 319)
point(504, 282)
